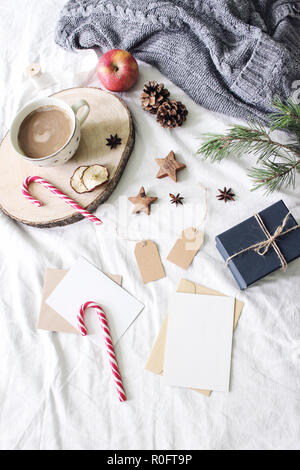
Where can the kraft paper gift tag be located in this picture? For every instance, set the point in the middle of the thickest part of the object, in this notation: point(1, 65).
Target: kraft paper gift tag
point(149, 262)
point(155, 361)
point(50, 320)
point(186, 247)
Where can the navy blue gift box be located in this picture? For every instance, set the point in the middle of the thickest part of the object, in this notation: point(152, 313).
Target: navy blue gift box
point(249, 266)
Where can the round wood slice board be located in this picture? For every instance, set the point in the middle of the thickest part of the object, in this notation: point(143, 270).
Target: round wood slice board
point(108, 115)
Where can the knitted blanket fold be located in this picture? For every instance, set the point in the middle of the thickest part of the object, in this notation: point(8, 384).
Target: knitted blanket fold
point(230, 56)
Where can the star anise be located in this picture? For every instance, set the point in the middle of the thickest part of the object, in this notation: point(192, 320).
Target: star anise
point(225, 195)
point(113, 141)
point(176, 199)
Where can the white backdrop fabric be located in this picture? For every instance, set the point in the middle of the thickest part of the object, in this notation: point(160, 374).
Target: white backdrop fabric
point(56, 390)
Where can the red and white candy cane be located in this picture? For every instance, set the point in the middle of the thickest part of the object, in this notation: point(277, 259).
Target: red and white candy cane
point(108, 342)
point(54, 190)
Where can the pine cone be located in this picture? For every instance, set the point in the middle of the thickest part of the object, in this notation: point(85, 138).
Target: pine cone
point(171, 114)
point(153, 95)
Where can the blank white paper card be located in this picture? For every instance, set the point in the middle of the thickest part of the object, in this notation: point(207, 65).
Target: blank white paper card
point(85, 282)
point(199, 341)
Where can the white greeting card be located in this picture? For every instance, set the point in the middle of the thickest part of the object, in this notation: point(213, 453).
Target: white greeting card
point(199, 341)
point(84, 282)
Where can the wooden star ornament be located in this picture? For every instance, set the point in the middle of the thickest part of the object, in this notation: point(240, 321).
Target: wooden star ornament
point(142, 202)
point(169, 166)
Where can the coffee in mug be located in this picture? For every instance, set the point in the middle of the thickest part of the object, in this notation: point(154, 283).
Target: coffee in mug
point(44, 131)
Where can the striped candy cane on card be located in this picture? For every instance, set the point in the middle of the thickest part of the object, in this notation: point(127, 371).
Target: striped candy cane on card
point(57, 192)
point(108, 343)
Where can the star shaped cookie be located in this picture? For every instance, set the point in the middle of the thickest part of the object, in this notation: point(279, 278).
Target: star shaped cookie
point(142, 202)
point(169, 166)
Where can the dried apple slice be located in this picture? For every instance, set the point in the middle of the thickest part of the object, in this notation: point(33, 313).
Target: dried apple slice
point(76, 180)
point(94, 176)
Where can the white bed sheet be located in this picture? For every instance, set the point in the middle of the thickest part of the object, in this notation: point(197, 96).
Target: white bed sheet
point(56, 390)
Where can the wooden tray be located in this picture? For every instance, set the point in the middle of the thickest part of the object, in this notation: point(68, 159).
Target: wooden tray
point(108, 115)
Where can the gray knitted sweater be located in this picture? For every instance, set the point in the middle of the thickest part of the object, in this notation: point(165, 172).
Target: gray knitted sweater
point(230, 56)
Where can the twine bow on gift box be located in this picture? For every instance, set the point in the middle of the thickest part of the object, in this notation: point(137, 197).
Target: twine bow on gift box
point(263, 247)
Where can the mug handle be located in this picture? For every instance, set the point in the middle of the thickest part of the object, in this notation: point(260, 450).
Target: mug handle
point(79, 104)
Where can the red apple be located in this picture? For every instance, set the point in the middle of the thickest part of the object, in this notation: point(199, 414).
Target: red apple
point(117, 70)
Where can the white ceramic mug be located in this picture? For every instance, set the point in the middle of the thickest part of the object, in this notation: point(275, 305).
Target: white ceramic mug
point(68, 150)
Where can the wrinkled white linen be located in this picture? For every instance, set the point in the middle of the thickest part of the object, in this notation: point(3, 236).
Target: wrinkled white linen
point(56, 390)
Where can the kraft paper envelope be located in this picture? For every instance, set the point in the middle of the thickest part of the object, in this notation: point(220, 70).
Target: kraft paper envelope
point(50, 320)
point(155, 361)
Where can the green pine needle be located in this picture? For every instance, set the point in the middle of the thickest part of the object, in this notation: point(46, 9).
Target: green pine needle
point(286, 116)
point(272, 176)
point(277, 162)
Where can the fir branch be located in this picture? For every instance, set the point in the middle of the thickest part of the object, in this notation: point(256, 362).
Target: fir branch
point(277, 162)
point(240, 140)
point(273, 176)
point(286, 116)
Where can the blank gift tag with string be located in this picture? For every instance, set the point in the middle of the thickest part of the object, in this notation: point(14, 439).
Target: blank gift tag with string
point(149, 262)
point(186, 247)
point(189, 243)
